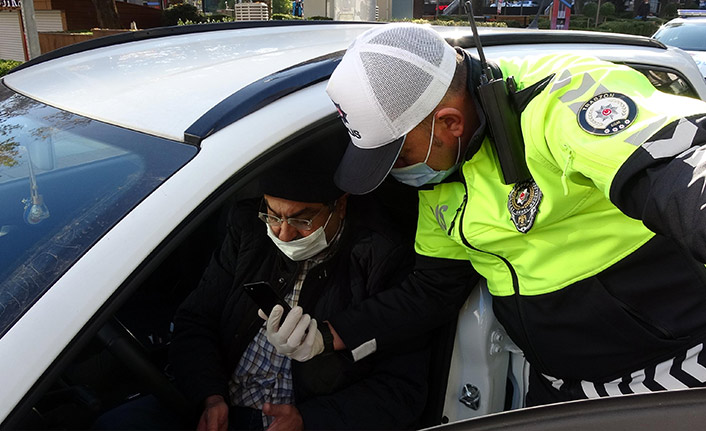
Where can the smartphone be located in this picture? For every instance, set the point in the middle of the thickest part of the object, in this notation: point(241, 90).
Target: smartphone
point(266, 297)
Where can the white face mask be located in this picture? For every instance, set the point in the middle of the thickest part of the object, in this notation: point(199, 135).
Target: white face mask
point(420, 173)
point(302, 248)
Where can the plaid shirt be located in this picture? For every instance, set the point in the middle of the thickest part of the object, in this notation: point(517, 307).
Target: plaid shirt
point(263, 375)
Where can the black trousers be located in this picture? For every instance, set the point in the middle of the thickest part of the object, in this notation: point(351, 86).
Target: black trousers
point(148, 413)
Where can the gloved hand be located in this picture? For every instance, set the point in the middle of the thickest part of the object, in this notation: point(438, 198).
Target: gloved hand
point(297, 337)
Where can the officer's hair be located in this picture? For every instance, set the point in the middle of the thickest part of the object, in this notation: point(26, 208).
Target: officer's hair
point(457, 88)
point(458, 83)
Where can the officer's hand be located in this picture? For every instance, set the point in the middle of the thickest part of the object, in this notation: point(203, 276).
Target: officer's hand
point(287, 417)
point(297, 337)
point(215, 415)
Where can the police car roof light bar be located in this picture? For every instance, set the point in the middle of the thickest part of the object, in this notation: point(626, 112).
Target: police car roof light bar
point(684, 13)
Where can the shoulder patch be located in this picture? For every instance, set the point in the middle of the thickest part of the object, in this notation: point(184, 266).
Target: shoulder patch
point(607, 114)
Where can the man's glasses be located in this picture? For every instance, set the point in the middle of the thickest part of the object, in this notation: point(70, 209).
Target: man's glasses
point(296, 223)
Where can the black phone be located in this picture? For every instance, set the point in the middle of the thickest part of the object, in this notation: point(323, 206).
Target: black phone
point(266, 297)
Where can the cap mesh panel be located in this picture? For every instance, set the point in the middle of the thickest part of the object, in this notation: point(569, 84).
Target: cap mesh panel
point(396, 83)
point(414, 40)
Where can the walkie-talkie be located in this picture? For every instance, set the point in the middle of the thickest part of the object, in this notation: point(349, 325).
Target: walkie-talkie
point(501, 115)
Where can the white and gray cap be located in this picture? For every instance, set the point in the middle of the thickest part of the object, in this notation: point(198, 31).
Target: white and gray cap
point(389, 81)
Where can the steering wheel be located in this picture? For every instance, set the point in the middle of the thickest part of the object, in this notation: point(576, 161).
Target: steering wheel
point(119, 341)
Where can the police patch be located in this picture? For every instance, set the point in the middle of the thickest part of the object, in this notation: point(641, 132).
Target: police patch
point(523, 203)
point(607, 114)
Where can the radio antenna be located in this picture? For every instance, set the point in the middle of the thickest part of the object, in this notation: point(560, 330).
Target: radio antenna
point(496, 98)
point(486, 72)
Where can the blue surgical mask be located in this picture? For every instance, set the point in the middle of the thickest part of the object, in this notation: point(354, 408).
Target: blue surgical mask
point(420, 173)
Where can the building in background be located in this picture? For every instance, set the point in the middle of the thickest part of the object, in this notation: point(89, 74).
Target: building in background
point(342, 10)
point(364, 10)
point(80, 15)
point(65, 15)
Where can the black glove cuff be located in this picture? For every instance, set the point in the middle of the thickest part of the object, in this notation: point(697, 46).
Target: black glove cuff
point(327, 337)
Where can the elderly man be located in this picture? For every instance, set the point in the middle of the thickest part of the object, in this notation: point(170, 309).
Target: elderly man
point(592, 235)
point(308, 240)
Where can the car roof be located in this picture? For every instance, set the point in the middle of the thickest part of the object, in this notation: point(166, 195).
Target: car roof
point(688, 20)
point(162, 85)
point(163, 81)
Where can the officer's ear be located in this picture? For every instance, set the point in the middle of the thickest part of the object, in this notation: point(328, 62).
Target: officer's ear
point(449, 124)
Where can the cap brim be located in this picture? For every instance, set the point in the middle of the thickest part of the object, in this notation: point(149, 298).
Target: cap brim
point(362, 171)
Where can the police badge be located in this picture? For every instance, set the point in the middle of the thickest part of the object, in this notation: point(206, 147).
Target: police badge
point(607, 114)
point(523, 202)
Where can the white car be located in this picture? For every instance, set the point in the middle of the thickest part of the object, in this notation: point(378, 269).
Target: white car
point(116, 158)
point(687, 32)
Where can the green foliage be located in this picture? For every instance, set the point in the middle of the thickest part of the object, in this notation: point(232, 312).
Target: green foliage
point(281, 7)
point(607, 9)
point(512, 23)
point(590, 9)
point(670, 10)
point(619, 6)
point(580, 21)
point(453, 20)
point(628, 14)
point(456, 20)
point(9, 152)
point(626, 26)
point(584, 21)
point(638, 27)
point(543, 23)
point(216, 17)
point(182, 12)
point(7, 65)
point(285, 17)
point(209, 20)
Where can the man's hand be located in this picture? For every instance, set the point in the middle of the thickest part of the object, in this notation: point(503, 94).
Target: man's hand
point(297, 337)
point(215, 415)
point(287, 417)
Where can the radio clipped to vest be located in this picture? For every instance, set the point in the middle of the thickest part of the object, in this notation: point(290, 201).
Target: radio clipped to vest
point(502, 116)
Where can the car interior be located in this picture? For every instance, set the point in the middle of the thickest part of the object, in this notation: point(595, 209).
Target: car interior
point(122, 353)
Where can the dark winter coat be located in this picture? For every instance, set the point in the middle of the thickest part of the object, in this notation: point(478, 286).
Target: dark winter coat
point(218, 320)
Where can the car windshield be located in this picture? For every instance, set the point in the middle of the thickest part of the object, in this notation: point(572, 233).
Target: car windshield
point(64, 181)
point(685, 36)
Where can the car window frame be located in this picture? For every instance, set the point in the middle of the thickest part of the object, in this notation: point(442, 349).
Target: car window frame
point(237, 184)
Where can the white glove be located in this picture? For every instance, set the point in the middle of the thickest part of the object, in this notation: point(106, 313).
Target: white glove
point(297, 337)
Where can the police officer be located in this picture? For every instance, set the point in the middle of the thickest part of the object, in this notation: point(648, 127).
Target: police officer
point(595, 259)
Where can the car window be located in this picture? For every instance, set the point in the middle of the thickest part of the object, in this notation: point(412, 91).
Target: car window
point(667, 80)
point(684, 36)
point(64, 181)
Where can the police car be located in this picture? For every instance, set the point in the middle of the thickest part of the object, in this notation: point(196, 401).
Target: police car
point(117, 157)
point(687, 32)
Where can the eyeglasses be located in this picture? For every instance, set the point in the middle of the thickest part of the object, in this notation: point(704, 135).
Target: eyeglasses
point(296, 223)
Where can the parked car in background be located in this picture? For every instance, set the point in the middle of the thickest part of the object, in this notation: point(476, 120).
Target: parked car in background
point(687, 32)
point(117, 159)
